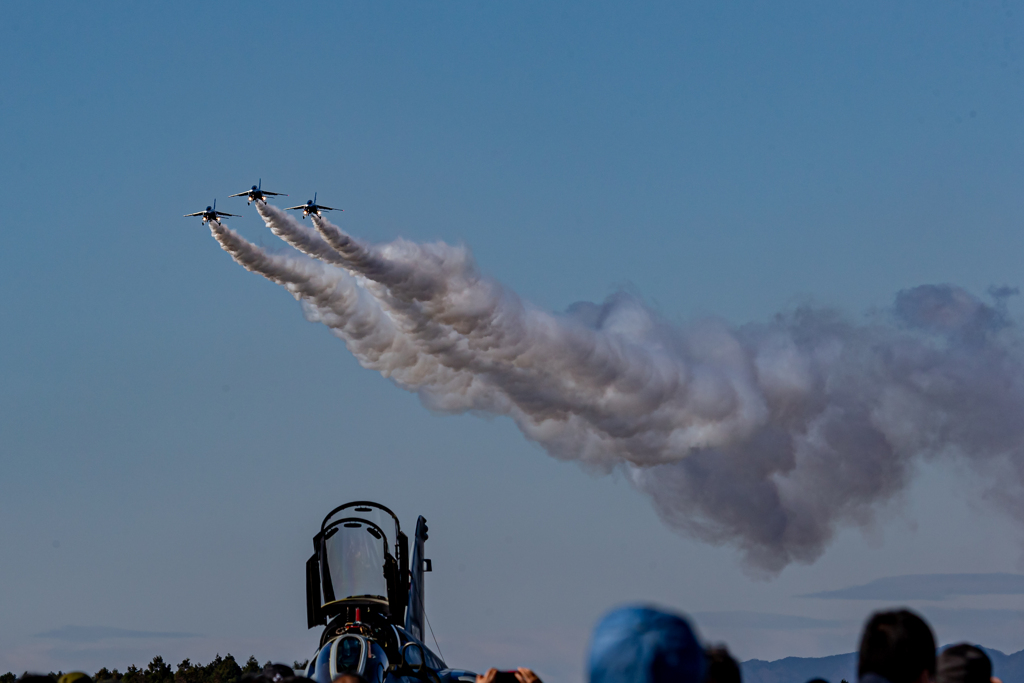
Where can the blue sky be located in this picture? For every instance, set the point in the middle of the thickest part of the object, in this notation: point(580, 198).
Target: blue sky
point(172, 430)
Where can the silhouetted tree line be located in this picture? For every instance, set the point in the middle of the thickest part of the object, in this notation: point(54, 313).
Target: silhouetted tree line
point(220, 670)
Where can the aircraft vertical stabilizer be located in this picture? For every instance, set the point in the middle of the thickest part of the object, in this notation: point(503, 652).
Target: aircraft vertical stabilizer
point(414, 613)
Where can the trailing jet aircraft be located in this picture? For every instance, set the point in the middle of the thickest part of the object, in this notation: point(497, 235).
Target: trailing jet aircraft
point(211, 214)
point(257, 194)
point(362, 585)
point(312, 207)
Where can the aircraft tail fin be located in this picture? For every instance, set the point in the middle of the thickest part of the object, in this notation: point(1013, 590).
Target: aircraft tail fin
point(414, 613)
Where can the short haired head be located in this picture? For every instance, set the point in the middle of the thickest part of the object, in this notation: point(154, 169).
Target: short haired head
point(644, 645)
point(964, 664)
point(722, 668)
point(898, 646)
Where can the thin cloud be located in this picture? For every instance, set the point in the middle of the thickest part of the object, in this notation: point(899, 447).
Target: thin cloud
point(94, 634)
point(976, 618)
point(928, 587)
point(764, 620)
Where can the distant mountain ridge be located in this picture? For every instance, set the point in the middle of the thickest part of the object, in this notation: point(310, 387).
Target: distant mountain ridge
point(1008, 668)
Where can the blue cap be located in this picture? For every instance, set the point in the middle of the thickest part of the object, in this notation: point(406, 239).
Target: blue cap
point(645, 645)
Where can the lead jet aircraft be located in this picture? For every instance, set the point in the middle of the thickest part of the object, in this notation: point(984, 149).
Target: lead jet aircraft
point(257, 194)
point(363, 586)
point(312, 207)
point(211, 214)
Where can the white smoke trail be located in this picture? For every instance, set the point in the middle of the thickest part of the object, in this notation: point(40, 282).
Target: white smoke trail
point(767, 437)
point(608, 396)
point(298, 235)
point(330, 295)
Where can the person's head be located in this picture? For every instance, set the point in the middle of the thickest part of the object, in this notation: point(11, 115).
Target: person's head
point(349, 677)
point(964, 664)
point(277, 672)
point(898, 646)
point(75, 677)
point(722, 668)
point(644, 645)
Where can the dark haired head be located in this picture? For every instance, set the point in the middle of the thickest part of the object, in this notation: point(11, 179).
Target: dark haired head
point(964, 664)
point(898, 646)
point(722, 668)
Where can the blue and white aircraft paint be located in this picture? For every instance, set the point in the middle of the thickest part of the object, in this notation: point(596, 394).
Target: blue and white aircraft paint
point(257, 194)
point(311, 207)
point(212, 214)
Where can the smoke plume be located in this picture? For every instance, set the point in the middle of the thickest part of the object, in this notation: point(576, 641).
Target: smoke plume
point(767, 437)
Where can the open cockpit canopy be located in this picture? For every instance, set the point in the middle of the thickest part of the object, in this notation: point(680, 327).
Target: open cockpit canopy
point(360, 559)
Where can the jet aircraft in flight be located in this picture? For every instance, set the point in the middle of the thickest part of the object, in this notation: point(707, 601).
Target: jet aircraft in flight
point(312, 207)
point(211, 214)
point(257, 194)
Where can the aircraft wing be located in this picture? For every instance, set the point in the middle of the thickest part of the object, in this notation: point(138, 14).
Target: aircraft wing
point(327, 208)
point(197, 213)
point(222, 213)
point(296, 208)
point(276, 194)
point(240, 194)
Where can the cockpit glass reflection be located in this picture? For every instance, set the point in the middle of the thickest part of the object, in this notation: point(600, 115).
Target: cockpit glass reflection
point(349, 652)
point(322, 666)
point(355, 558)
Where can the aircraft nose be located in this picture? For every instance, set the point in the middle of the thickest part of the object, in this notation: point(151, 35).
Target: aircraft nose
point(209, 208)
point(254, 187)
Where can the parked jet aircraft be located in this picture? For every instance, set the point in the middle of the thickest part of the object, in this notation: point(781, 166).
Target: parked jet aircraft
point(257, 194)
point(312, 207)
point(370, 598)
point(211, 213)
